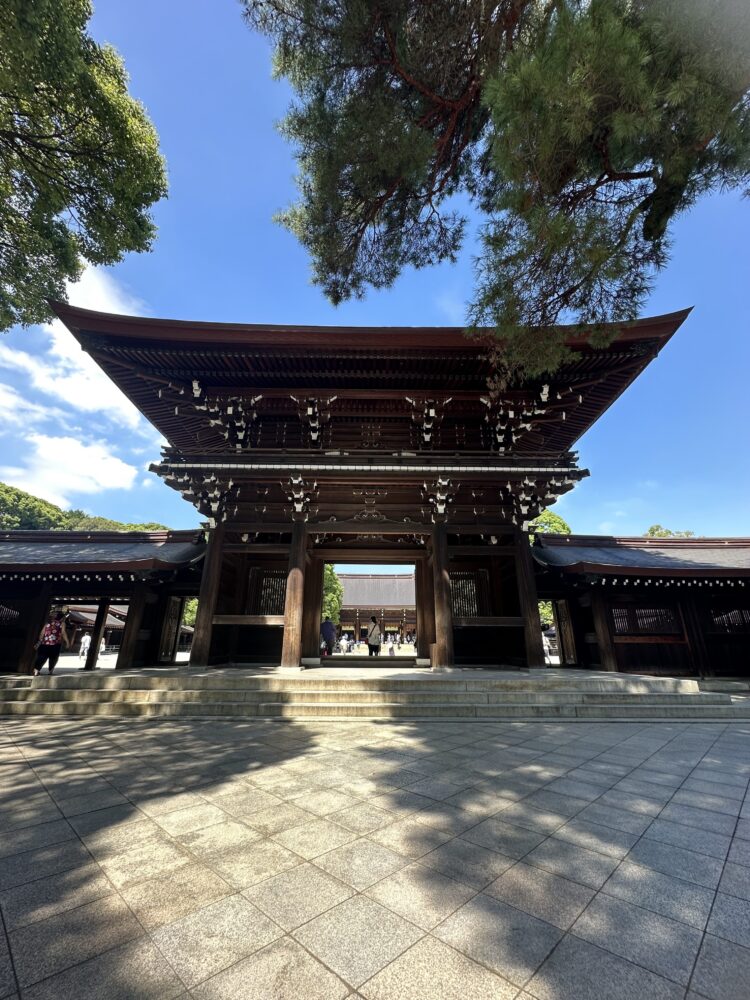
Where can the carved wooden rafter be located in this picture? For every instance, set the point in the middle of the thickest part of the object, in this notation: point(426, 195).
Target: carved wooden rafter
point(315, 416)
point(427, 414)
point(301, 495)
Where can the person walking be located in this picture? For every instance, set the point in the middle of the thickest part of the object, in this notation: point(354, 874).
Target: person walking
point(84, 647)
point(328, 635)
point(50, 641)
point(373, 637)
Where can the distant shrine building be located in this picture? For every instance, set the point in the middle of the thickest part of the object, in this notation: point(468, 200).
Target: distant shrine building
point(307, 445)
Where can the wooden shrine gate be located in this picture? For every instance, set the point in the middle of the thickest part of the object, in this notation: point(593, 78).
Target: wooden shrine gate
point(302, 445)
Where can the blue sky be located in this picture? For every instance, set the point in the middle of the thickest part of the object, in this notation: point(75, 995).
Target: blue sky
point(673, 449)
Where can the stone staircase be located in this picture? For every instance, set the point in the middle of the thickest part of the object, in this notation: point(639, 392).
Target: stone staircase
point(543, 694)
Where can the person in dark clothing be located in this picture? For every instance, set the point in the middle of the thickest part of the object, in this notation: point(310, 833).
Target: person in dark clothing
point(328, 635)
point(50, 643)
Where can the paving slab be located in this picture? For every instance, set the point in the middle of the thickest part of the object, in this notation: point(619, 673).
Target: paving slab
point(498, 835)
point(677, 861)
point(7, 975)
point(671, 897)
point(244, 866)
point(281, 971)
point(657, 943)
point(147, 861)
point(135, 971)
point(730, 919)
point(596, 837)
point(468, 863)
point(541, 894)
point(49, 946)
point(410, 837)
point(214, 937)
point(573, 862)
point(17, 869)
point(577, 970)
point(168, 897)
point(217, 839)
point(716, 845)
point(422, 895)
point(722, 971)
point(296, 896)
point(34, 837)
point(45, 897)
point(735, 880)
point(431, 970)
point(357, 938)
point(361, 863)
point(191, 818)
point(506, 940)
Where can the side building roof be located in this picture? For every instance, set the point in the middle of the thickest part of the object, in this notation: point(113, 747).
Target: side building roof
point(98, 551)
point(667, 557)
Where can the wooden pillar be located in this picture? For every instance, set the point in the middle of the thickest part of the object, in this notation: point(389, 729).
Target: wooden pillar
point(200, 649)
point(100, 623)
point(599, 612)
point(35, 619)
point(136, 607)
point(443, 603)
point(425, 608)
point(311, 613)
point(529, 602)
point(566, 642)
point(291, 652)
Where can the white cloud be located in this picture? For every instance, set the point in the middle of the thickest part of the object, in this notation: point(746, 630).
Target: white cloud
point(65, 372)
point(453, 307)
point(16, 411)
point(58, 466)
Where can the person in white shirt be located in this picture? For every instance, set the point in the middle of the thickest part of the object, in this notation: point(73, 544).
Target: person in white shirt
point(373, 637)
point(84, 647)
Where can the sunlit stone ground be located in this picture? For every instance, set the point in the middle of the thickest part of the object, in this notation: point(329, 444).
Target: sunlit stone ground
point(412, 861)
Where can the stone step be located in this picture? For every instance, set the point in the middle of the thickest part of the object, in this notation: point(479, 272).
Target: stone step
point(541, 681)
point(307, 693)
point(637, 709)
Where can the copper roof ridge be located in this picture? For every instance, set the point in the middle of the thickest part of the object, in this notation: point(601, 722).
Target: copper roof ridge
point(76, 319)
point(637, 541)
point(182, 535)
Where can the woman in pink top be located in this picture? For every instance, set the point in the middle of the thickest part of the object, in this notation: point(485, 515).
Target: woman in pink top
point(50, 643)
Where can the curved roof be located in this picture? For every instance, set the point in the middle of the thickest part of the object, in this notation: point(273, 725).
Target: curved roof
point(364, 374)
point(602, 554)
point(281, 335)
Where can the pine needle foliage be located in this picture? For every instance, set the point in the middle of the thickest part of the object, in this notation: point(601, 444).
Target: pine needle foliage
point(579, 128)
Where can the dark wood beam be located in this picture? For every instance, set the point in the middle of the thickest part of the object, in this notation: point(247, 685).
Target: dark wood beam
point(200, 649)
point(529, 602)
point(97, 634)
point(128, 646)
point(294, 602)
point(443, 604)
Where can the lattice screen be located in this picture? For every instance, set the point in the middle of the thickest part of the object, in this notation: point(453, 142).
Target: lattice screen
point(470, 593)
point(267, 591)
point(634, 620)
point(735, 620)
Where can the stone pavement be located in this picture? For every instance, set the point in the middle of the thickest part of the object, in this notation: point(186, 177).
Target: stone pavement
point(147, 860)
